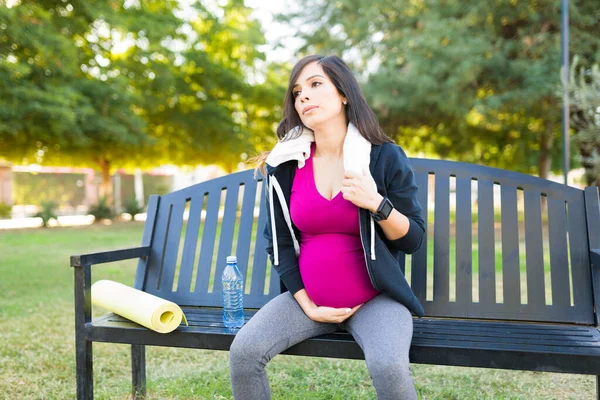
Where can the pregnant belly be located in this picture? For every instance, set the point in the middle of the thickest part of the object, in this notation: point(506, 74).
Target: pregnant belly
point(334, 272)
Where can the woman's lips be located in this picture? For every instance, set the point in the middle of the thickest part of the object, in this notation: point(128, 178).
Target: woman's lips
point(308, 109)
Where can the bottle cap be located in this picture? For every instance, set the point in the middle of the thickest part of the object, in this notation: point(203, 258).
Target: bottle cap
point(231, 259)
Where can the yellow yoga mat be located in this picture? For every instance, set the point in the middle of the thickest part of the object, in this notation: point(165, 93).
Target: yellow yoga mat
point(154, 313)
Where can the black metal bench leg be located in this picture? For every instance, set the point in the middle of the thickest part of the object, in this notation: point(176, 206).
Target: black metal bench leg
point(138, 370)
point(85, 372)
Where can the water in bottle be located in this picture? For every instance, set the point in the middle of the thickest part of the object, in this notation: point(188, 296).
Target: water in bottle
point(233, 294)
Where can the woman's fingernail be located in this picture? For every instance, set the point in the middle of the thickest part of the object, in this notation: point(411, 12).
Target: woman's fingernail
point(348, 310)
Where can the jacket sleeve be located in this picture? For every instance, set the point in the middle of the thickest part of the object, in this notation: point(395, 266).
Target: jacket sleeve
point(402, 192)
point(286, 262)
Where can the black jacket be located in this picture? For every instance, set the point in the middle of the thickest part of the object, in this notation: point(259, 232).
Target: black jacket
point(394, 177)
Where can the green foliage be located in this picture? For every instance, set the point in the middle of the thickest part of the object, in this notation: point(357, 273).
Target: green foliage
point(133, 84)
point(5, 210)
point(132, 207)
point(468, 80)
point(101, 210)
point(585, 117)
point(48, 212)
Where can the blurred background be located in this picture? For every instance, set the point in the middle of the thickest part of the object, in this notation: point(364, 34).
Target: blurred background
point(104, 102)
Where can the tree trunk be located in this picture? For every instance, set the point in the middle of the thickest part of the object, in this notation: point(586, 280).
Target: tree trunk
point(546, 141)
point(6, 184)
point(106, 185)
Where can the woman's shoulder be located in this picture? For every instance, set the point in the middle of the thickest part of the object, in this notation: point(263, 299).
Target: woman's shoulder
point(391, 151)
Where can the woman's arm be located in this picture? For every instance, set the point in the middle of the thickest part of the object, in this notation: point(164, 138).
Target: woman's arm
point(396, 226)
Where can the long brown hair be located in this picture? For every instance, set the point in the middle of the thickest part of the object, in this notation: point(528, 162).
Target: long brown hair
point(358, 111)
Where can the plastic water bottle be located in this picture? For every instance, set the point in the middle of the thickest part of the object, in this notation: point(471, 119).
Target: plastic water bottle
point(233, 294)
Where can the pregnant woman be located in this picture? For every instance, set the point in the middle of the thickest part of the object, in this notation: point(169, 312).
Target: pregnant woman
point(342, 211)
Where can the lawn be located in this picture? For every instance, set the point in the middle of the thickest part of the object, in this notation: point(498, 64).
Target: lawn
point(37, 341)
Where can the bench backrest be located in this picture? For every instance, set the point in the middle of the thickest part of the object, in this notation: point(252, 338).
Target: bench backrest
point(505, 245)
point(500, 245)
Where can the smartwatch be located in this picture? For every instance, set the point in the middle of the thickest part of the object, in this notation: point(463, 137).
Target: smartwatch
point(383, 211)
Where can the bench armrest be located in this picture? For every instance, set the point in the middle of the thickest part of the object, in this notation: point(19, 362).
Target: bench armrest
point(595, 257)
point(83, 280)
point(109, 256)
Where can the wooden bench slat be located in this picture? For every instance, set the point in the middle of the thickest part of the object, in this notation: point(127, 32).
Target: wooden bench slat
point(486, 240)
point(418, 269)
point(151, 215)
point(441, 239)
point(592, 207)
point(559, 256)
point(579, 251)
point(534, 249)
point(171, 251)
point(464, 244)
point(244, 236)
point(226, 239)
point(260, 255)
point(188, 261)
point(156, 261)
point(511, 269)
point(209, 234)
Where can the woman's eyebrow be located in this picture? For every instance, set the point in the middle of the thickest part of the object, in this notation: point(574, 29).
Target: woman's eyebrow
point(309, 78)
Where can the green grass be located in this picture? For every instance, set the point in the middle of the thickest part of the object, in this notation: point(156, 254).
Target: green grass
point(37, 349)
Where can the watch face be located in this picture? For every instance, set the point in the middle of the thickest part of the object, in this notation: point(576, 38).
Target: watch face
point(387, 208)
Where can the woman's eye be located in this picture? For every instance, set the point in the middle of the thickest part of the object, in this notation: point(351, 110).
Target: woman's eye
point(316, 83)
point(296, 93)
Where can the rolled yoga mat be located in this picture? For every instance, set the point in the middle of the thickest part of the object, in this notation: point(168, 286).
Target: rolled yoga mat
point(154, 313)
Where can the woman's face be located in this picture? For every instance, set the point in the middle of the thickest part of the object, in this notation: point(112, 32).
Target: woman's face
point(316, 98)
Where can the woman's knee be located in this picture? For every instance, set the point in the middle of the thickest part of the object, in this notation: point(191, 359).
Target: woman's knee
point(390, 369)
point(246, 349)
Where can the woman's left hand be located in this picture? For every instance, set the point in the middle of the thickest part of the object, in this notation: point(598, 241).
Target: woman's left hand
point(361, 190)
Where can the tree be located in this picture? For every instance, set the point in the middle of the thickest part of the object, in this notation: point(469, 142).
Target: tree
point(134, 84)
point(585, 111)
point(470, 80)
point(37, 105)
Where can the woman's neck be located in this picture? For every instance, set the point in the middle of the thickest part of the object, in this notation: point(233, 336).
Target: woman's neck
point(329, 140)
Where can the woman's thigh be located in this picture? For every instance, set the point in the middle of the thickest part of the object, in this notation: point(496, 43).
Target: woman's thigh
point(278, 325)
point(383, 328)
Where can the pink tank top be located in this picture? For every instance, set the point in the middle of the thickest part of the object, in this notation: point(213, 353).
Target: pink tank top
point(331, 260)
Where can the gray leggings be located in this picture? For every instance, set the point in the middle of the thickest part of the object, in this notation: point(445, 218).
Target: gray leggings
point(382, 327)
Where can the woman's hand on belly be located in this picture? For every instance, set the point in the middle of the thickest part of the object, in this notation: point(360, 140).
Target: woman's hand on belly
point(323, 314)
point(330, 314)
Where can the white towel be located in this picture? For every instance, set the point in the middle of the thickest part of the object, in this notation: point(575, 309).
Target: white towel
point(357, 150)
point(293, 149)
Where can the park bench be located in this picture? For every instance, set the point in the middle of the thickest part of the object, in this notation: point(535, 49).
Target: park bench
point(508, 274)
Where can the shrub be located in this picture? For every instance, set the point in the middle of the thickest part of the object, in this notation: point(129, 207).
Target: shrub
point(5, 210)
point(132, 207)
point(48, 212)
point(101, 210)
